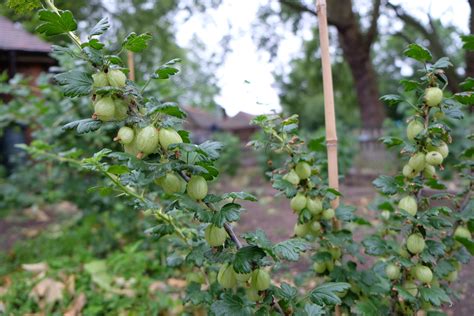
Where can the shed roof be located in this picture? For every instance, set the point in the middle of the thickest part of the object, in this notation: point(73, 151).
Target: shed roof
point(14, 37)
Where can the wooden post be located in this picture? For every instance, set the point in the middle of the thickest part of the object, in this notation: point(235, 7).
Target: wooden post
point(131, 66)
point(329, 113)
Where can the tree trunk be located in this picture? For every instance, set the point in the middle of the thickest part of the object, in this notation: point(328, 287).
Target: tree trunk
point(470, 53)
point(372, 110)
point(356, 47)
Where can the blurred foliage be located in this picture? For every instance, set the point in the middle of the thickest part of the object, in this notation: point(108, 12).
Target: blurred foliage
point(75, 253)
point(197, 85)
point(229, 160)
point(43, 109)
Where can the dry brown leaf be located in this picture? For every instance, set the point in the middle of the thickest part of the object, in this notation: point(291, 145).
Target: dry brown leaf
point(176, 283)
point(76, 306)
point(157, 286)
point(36, 268)
point(47, 291)
point(70, 282)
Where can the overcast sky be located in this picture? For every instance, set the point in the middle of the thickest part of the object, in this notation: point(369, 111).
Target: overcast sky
point(246, 78)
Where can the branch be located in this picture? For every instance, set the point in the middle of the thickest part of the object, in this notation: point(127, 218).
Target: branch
point(373, 29)
point(299, 7)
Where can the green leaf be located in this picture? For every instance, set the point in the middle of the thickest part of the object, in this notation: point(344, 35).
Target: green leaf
point(453, 110)
point(160, 230)
point(467, 84)
point(326, 293)
point(75, 83)
point(404, 293)
point(211, 149)
point(391, 141)
point(228, 213)
point(56, 23)
point(345, 212)
point(245, 257)
point(391, 99)
point(84, 126)
point(469, 244)
point(168, 108)
point(258, 238)
point(23, 6)
point(465, 97)
point(418, 52)
point(118, 169)
point(136, 43)
point(386, 184)
point(101, 26)
point(167, 70)
point(443, 62)
point(313, 310)
point(281, 184)
point(409, 85)
point(374, 245)
point(231, 305)
point(291, 248)
point(239, 195)
point(286, 292)
point(468, 42)
point(435, 295)
point(318, 144)
point(367, 307)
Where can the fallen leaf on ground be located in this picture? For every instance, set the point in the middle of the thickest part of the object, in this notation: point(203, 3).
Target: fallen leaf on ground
point(76, 306)
point(35, 267)
point(47, 291)
point(176, 283)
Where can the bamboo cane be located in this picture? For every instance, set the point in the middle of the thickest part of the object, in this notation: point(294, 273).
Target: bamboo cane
point(329, 113)
point(131, 66)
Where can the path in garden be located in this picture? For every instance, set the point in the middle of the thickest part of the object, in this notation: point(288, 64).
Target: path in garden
point(274, 216)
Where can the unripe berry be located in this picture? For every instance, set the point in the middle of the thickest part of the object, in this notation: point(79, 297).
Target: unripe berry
point(409, 172)
point(121, 109)
point(104, 109)
point(411, 287)
point(415, 243)
point(315, 226)
point(443, 149)
point(301, 230)
point(197, 188)
point(434, 158)
point(417, 162)
point(243, 277)
point(125, 135)
point(424, 274)
point(392, 271)
point(319, 266)
point(452, 276)
point(414, 128)
point(429, 171)
point(169, 136)
point(408, 204)
point(303, 170)
point(462, 232)
point(116, 78)
point(298, 202)
point(335, 252)
point(315, 206)
point(253, 295)
point(292, 177)
point(100, 80)
point(328, 214)
point(385, 215)
point(171, 183)
point(226, 276)
point(147, 140)
point(260, 280)
point(215, 236)
point(433, 96)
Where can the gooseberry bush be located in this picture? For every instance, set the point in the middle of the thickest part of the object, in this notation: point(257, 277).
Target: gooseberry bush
point(419, 247)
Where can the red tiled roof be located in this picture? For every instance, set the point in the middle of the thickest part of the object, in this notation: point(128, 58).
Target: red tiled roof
point(240, 121)
point(207, 120)
point(14, 37)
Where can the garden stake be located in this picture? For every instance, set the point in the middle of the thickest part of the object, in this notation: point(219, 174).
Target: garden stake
point(329, 113)
point(131, 66)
